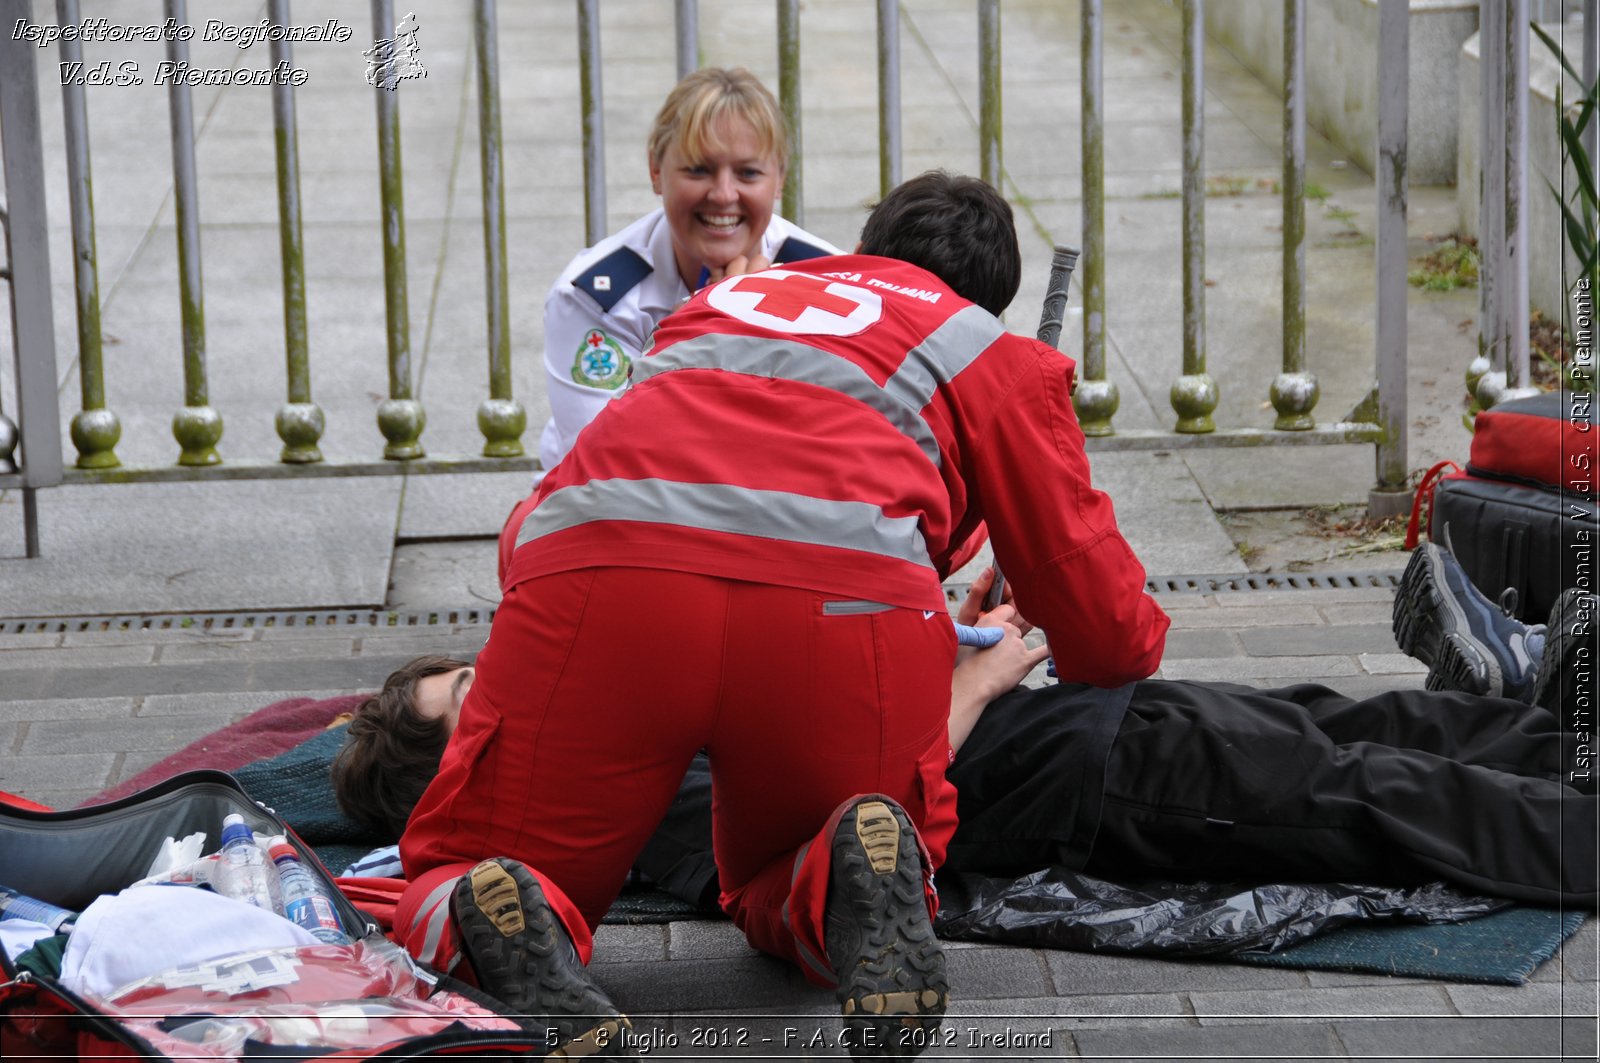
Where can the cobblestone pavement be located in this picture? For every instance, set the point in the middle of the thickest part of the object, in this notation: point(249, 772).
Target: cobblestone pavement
point(86, 703)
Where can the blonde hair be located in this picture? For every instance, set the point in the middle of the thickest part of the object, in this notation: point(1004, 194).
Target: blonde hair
point(697, 105)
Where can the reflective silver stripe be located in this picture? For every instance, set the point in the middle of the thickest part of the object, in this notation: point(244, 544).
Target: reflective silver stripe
point(437, 907)
point(788, 359)
point(780, 515)
point(811, 960)
point(940, 357)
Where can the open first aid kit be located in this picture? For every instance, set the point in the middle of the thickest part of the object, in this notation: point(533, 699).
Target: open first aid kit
point(188, 922)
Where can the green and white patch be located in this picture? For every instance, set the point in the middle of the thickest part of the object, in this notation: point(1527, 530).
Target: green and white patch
point(600, 362)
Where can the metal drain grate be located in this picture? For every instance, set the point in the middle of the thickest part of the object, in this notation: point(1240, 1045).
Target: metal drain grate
point(390, 619)
point(1248, 582)
point(304, 619)
point(1274, 581)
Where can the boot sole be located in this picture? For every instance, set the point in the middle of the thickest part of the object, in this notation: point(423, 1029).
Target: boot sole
point(895, 992)
point(1555, 689)
point(521, 955)
point(1429, 625)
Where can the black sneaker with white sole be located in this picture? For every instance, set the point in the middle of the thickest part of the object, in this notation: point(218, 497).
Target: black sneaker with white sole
point(893, 989)
point(1467, 641)
point(523, 957)
point(1567, 667)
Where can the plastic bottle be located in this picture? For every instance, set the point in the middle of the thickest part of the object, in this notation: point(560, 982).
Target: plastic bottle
point(304, 900)
point(16, 905)
point(243, 873)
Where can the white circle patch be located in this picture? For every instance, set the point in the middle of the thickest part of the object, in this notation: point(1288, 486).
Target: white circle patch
point(799, 303)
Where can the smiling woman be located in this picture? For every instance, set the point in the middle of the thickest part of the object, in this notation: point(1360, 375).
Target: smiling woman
point(717, 156)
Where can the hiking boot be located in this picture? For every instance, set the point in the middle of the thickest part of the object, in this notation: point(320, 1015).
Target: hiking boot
point(1568, 660)
point(893, 989)
point(522, 956)
point(1467, 642)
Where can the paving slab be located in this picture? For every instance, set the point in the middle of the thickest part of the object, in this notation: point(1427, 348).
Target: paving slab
point(184, 546)
point(1501, 1038)
point(1210, 1042)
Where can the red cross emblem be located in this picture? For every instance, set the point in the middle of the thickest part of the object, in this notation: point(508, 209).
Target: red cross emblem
point(798, 303)
point(594, 339)
point(789, 296)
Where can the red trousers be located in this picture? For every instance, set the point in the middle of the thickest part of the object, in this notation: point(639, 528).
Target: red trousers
point(597, 687)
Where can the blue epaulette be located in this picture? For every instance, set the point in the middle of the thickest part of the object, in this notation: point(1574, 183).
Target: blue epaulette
point(612, 277)
point(795, 249)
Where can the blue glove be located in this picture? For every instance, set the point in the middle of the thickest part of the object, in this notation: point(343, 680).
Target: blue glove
point(981, 637)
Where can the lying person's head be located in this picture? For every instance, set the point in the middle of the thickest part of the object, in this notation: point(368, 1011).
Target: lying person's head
point(957, 228)
point(395, 741)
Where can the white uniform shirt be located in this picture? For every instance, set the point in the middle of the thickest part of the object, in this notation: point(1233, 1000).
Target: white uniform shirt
point(600, 315)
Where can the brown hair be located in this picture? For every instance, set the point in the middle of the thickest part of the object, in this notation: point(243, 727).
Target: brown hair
point(701, 100)
point(957, 228)
point(392, 752)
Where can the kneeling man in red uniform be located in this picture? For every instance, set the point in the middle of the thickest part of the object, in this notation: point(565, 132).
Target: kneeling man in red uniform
point(744, 553)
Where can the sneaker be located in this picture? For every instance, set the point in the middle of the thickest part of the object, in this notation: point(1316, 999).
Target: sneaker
point(522, 956)
point(1467, 642)
point(1569, 659)
point(893, 989)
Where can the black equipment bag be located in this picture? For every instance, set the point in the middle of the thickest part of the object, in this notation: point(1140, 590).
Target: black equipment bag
point(1522, 516)
point(69, 858)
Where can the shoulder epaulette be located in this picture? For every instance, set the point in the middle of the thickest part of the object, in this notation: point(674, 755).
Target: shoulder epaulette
point(795, 249)
point(612, 277)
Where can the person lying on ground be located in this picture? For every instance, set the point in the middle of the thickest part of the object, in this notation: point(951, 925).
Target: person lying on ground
point(838, 430)
point(1204, 780)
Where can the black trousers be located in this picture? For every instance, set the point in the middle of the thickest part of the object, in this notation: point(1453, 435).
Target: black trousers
point(1214, 781)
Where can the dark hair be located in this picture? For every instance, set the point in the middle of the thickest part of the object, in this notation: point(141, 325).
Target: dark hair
point(957, 228)
point(391, 753)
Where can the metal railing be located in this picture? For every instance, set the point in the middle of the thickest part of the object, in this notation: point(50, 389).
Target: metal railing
point(95, 429)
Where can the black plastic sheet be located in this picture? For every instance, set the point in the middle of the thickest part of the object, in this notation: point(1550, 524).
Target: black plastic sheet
point(1060, 909)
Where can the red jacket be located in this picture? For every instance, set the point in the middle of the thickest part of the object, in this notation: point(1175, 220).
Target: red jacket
point(843, 425)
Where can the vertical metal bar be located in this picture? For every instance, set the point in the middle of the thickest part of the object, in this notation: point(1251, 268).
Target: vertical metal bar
point(299, 420)
point(1294, 392)
point(592, 103)
point(1194, 394)
point(28, 238)
point(197, 427)
point(989, 107)
point(889, 146)
point(1516, 290)
point(95, 429)
point(401, 418)
point(789, 100)
point(1491, 205)
point(1389, 496)
point(1096, 399)
point(500, 417)
point(688, 34)
point(1591, 46)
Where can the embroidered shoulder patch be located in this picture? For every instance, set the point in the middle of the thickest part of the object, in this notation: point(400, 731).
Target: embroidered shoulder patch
point(600, 362)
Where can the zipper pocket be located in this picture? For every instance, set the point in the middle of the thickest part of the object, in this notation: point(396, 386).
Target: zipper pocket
point(854, 608)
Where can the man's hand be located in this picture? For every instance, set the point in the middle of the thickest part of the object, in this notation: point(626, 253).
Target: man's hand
point(740, 265)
